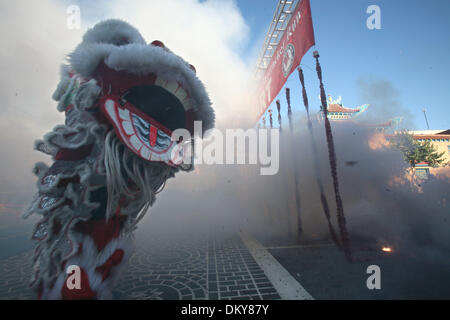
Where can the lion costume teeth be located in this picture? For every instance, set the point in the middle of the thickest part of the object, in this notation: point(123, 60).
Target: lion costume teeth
point(122, 98)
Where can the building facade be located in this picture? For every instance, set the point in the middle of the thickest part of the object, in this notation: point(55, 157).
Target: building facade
point(440, 139)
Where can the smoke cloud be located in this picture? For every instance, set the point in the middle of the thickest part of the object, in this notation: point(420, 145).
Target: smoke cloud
point(383, 204)
point(35, 40)
point(384, 102)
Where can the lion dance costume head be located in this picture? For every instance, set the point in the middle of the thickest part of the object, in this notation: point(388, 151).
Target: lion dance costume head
point(123, 99)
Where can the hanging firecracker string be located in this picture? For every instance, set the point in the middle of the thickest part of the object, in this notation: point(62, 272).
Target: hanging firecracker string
point(323, 198)
point(332, 157)
point(288, 99)
point(270, 119)
point(279, 115)
point(296, 180)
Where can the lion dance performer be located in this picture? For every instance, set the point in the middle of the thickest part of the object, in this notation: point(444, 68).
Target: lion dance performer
point(123, 99)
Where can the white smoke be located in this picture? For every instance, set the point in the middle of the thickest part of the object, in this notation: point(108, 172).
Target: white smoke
point(36, 39)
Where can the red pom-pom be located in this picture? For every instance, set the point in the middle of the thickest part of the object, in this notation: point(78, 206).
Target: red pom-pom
point(157, 43)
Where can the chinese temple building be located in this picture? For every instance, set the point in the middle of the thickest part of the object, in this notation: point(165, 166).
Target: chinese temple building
point(337, 111)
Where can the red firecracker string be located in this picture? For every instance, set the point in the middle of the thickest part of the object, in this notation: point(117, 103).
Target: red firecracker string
point(332, 156)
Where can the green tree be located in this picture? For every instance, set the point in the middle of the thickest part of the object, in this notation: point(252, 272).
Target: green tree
point(414, 151)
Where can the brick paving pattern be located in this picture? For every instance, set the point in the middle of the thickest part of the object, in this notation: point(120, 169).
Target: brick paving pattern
point(169, 269)
point(15, 272)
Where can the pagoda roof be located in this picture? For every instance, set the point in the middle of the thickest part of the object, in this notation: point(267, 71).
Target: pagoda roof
point(338, 108)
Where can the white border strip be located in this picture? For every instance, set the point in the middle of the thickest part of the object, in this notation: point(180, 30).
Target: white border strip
point(286, 285)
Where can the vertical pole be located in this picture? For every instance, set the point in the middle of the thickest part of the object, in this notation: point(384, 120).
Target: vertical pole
point(426, 120)
point(332, 157)
point(323, 199)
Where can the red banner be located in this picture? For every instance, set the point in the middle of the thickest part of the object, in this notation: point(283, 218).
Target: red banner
point(296, 41)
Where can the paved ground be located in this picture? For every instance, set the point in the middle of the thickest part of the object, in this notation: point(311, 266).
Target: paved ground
point(324, 272)
point(169, 268)
point(187, 268)
point(174, 265)
point(14, 274)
